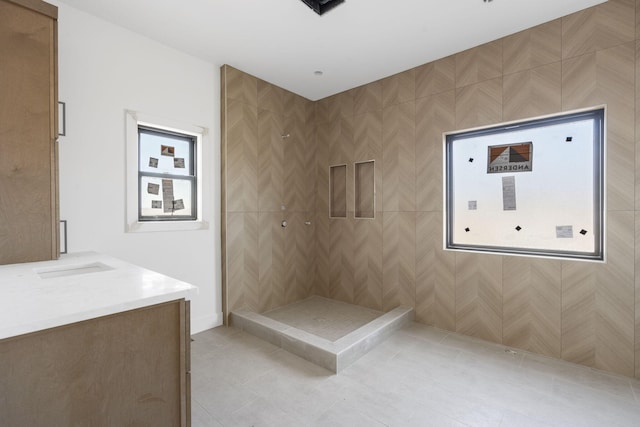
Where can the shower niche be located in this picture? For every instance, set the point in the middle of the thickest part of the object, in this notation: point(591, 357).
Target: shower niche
point(365, 194)
point(338, 191)
point(364, 190)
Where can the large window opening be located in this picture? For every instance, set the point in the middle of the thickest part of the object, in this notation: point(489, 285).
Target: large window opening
point(534, 187)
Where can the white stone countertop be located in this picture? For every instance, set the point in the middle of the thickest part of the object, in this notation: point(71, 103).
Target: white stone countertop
point(41, 295)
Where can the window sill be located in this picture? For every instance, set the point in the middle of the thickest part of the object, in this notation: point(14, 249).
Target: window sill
point(156, 226)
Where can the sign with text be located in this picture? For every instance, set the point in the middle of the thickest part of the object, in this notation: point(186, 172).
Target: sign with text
point(510, 158)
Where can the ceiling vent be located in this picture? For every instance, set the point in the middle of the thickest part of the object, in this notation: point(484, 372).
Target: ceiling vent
point(321, 6)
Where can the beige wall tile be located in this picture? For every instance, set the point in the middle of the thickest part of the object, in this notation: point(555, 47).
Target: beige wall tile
point(298, 250)
point(271, 260)
point(295, 106)
point(533, 48)
point(368, 262)
point(479, 104)
point(330, 109)
point(637, 19)
point(270, 97)
point(242, 261)
point(367, 141)
point(598, 303)
point(398, 157)
point(270, 161)
point(298, 161)
point(532, 304)
point(436, 77)
point(240, 86)
point(599, 27)
point(367, 98)
point(434, 115)
point(637, 126)
point(399, 88)
point(608, 77)
point(341, 152)
point(242, 157)
point(398, 259)
point(435, 274)
point(341, 141)
point(614, 298)
point(479, 64)
point(323, 135)
point(367, 136)
point(479, 296)
point(533, 92)
point(322, 248)
point(341, 259)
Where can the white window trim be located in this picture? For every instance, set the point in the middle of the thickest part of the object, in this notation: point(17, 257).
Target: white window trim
point(132, 120)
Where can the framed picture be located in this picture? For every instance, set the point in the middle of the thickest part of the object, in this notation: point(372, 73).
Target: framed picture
point(62, 120)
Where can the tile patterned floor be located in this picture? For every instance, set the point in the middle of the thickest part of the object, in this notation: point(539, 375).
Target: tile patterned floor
point(420, 376)
point(324, 317)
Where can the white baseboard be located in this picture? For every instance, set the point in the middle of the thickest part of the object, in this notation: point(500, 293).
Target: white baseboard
point(206, 322)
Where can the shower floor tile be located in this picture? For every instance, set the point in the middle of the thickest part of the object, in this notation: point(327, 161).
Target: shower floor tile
point(323, 317)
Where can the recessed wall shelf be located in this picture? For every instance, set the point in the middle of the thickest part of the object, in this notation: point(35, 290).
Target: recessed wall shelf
point(365, 194)
point(338, 191)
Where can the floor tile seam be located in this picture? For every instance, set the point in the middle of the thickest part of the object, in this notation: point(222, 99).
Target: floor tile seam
point(414, 336)
point(610, 397)
point(603, 388)
point(321, 410)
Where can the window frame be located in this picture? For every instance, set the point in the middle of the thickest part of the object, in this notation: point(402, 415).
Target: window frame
point(191, 177)
point(133, 121)
point(598, 115)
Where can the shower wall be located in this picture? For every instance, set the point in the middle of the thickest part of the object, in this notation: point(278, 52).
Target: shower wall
point(583, 312)
point(268, 152)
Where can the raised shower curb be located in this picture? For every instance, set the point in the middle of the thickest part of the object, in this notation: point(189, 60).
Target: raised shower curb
point(332, 355)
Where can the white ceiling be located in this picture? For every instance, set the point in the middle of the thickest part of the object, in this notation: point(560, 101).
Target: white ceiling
point(357, 42)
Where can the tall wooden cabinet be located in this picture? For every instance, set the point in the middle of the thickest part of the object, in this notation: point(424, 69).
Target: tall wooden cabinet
point(28, 132)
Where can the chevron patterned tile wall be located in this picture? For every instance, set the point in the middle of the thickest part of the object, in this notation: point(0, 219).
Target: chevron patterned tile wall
point(532, 304)
point(269, 151)
point(597, 28)
point(533, 48)
point(435, 114)
point(478, 288)
point(583, 312)
point(435, 274)
point(532, 93)
point(436, 77)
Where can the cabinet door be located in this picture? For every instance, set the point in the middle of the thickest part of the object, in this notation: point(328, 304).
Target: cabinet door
point(28, 132)
point(126, 369)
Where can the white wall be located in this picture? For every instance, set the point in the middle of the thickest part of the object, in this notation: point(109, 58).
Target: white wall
point(103, 71)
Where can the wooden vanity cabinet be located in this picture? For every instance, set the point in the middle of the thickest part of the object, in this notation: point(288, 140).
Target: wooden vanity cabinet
point(29, 219)
point(126, 369)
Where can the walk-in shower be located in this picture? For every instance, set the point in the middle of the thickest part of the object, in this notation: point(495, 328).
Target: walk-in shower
point(329, 333)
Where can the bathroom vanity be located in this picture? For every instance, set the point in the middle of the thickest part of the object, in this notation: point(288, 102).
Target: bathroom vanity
point(92, 340)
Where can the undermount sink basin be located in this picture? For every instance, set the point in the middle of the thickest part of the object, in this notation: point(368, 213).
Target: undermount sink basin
point(73, 270)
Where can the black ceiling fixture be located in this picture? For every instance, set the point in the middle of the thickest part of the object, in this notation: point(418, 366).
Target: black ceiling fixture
point(321, 6)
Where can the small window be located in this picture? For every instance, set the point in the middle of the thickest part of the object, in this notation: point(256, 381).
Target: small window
point(164, 181)
point(166, 175)
point(534, 187)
